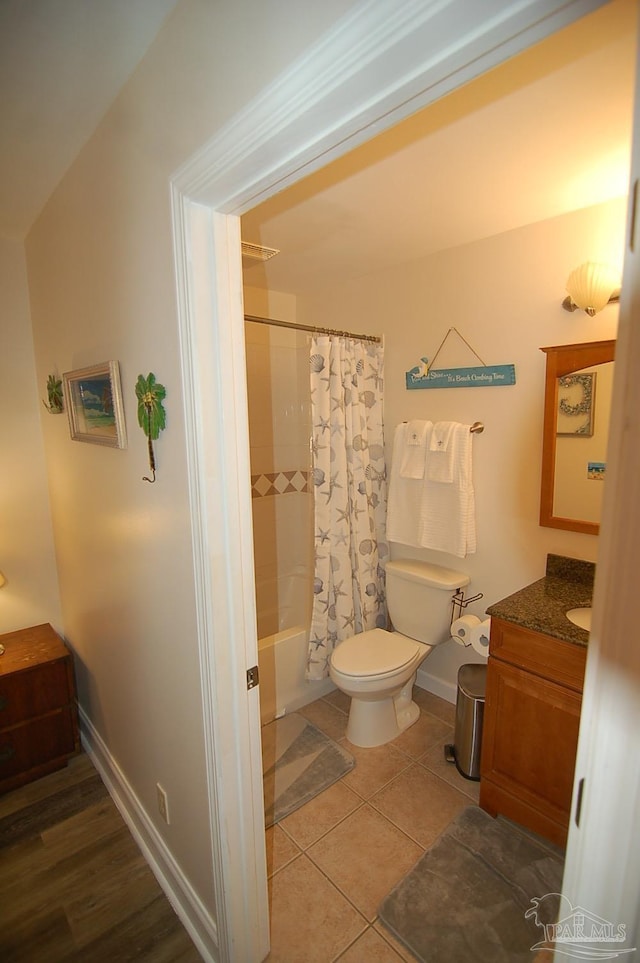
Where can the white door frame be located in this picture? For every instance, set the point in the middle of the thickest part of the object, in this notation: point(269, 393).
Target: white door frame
point(602, 872)
point(381, 62)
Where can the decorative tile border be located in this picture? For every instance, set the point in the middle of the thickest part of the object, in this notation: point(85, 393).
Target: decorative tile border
point(279, 483)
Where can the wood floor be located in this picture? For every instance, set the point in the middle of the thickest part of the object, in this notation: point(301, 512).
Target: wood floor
point(74, 887)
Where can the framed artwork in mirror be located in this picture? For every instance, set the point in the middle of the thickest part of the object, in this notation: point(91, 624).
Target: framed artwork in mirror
point(94, 405)
point(576, 404)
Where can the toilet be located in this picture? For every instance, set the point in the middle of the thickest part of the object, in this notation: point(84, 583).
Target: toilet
point(378, 668)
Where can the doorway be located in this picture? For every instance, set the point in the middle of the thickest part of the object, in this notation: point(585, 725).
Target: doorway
point(410, 70)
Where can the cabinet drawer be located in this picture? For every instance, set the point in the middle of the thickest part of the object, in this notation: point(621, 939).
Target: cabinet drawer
point(562, 662)
point(30, 745)
point(33, 692)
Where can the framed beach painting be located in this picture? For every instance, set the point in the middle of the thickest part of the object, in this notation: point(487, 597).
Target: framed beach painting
point(94, 405)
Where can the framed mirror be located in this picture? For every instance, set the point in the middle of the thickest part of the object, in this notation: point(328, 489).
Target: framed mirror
point(577, 408)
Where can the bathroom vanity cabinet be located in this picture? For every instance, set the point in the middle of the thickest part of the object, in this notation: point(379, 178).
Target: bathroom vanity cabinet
point(530, 734)
point(38, 712)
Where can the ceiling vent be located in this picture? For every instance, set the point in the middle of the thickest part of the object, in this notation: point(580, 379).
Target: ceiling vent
point(256, 252)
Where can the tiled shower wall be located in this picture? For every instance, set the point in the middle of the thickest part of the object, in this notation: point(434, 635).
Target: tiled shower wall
point(279, 430)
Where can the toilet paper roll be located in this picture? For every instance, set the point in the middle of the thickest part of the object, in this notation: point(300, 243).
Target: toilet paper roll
point(479, 637)
point(462, 627)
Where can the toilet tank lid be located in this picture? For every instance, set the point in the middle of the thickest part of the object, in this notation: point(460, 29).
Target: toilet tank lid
point(435, 576)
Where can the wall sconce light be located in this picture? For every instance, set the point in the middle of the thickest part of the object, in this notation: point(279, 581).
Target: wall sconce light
point(591, 287)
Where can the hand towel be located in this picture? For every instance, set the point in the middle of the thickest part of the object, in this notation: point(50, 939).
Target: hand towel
point(415, 449)
point(404, 499)
point(447, 517)
point(442, 451)
point(441, 435)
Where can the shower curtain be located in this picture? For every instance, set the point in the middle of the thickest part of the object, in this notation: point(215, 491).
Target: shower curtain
point(350, 496)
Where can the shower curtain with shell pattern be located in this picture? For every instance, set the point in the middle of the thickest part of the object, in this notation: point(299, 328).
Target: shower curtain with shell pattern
point(350, 496)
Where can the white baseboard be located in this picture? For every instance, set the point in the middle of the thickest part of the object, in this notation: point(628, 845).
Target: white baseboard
point(440, 687)
point(188, 906)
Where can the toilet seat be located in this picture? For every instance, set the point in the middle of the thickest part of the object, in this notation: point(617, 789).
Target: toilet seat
point(374, 653)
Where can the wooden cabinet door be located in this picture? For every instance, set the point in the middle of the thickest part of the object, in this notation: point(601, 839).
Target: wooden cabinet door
point(529, 748)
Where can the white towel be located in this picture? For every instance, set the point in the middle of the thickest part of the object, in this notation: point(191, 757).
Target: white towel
point(415, 449)
point(447, 516)
point(429, 514)
point(404, 499)
point(442, 451)
point(441, 435)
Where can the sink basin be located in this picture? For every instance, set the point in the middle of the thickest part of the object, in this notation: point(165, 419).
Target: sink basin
point(580, 617)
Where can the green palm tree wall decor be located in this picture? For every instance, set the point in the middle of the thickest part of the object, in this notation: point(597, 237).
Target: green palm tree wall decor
point(54, 395)
point(151, 415)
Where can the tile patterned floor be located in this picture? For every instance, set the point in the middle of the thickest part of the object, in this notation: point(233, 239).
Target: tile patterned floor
point(331, 863)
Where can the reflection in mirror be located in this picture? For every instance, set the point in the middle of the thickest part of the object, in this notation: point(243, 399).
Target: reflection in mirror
point(576, 426)
point(582, 429)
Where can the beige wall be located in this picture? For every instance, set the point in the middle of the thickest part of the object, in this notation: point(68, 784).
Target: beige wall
point(279, 432)
point(101, 278)
point(504, 296)
point(27, 560)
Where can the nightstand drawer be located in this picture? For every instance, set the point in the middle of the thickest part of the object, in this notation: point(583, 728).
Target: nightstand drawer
point(31, 745)
point(33, 692)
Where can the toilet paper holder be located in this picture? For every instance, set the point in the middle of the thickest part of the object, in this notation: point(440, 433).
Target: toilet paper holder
point(459, 602)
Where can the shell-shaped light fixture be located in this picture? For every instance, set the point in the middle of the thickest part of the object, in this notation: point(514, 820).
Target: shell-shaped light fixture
point(591, 286)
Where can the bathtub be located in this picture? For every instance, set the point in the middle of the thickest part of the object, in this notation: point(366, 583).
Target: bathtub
point(282, 660)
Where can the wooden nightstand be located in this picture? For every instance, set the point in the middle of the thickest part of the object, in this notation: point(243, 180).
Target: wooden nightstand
point(38, 712)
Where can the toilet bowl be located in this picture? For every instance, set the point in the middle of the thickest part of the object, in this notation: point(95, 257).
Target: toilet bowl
point(377, 669)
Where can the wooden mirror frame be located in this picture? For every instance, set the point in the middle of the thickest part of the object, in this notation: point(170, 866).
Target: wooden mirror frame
point(564, 359)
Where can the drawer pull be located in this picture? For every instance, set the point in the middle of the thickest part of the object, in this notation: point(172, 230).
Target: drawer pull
point(4, 702)
point(6, 754)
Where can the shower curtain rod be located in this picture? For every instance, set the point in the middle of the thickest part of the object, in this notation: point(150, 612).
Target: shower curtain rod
point(313, 329)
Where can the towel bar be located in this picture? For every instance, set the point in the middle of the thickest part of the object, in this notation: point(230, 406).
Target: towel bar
point(476, 428)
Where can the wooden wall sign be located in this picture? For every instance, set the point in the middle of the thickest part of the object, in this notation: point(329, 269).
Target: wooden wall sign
point(486, 376)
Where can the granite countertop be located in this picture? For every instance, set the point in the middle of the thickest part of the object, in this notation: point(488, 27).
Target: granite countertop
point(542, 606)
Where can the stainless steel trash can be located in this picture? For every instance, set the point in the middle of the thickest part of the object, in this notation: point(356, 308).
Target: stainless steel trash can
point(472, 687)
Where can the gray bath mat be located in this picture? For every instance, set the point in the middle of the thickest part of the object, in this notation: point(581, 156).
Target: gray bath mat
point(298, 762)
point(465, 900)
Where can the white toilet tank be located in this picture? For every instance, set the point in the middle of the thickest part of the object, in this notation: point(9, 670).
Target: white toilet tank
point(419, 598)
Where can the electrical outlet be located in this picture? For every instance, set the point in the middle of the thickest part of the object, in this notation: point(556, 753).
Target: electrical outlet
point(163, 803)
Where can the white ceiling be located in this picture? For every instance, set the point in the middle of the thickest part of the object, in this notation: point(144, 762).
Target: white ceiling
point(546, 133)
point(62, 63)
